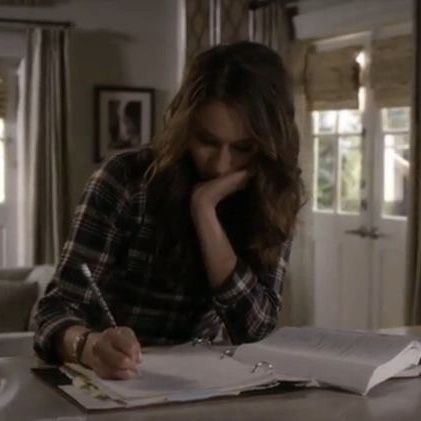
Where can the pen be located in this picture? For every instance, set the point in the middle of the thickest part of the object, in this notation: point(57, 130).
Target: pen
point(86, 271)
point(88, 275)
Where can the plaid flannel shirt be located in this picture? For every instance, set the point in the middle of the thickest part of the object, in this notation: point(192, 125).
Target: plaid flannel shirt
point(113, 233)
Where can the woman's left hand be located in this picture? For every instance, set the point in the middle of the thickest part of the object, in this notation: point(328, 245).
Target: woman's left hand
point(209, 193)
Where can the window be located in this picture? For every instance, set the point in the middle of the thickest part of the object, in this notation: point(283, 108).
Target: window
point(337, 138)
point(395, 123)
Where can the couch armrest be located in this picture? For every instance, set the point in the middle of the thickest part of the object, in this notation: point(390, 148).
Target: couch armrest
point(15, 273)
point(16, 343)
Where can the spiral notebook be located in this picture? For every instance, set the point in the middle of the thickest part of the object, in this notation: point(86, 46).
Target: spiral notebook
point(352, 360)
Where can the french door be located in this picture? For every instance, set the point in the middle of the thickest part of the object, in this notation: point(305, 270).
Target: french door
point(360, 204)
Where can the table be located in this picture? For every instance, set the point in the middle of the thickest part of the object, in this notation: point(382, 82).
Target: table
point(23, 397)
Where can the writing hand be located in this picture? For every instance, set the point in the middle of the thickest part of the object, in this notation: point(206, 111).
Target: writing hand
point(116, 354)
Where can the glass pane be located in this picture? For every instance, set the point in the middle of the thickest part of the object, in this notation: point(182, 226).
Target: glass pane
point(396, 119)
point(324, 121)
point(395, 175)
point(350, 121)
point(325, 165)
point(350, 174)
point(2, 163)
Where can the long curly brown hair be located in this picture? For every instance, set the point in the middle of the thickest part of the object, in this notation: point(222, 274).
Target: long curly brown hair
point(252, 78)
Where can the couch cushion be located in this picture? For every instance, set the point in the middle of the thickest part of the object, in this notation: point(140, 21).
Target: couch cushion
point(16, 302)
point(42, 275)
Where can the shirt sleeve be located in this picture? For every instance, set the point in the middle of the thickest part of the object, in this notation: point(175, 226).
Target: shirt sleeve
point(95, 236)
point(249, 303)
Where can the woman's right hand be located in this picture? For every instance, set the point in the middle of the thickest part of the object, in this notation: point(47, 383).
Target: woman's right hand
point(113, 354)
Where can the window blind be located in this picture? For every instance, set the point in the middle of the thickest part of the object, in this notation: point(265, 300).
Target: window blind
point(332, 79)
point(391, 71)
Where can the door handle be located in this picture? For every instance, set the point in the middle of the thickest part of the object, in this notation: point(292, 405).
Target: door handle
point(375, 234)
point(362, 232)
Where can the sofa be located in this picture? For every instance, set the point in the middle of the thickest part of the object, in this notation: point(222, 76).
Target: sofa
point(20, 290)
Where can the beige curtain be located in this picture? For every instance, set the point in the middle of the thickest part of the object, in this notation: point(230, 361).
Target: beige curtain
point(3, 93)
point(270, 25)
point(234, 21)
point(25, 2)
point(414, 217)
point(198, 36)
point(45, 120)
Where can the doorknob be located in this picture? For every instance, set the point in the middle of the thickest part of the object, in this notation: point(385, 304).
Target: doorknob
point(361, 231)
point(375, 234)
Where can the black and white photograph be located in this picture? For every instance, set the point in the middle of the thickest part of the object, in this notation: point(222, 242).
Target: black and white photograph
point(123, 119)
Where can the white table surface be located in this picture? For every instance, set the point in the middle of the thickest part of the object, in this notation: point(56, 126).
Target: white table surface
point(24, 397)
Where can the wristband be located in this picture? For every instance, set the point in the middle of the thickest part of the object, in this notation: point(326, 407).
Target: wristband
point(78, 345)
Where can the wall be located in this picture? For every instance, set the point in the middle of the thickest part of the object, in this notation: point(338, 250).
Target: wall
point(114, 42)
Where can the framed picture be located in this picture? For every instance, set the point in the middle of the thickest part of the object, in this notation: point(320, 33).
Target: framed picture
point(124, 118)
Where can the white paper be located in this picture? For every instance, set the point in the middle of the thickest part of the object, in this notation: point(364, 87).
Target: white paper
point(183, 372)
point(353, 360)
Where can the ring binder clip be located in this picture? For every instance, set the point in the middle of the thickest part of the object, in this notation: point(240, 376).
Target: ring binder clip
point(201, 341)
point(227, 353)
point(261, 364)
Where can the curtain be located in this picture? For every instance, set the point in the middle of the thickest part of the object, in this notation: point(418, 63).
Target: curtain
point(198, 28)
point(25, 2)
point(234, 20)
point(414, 217)
point(45, 134)
point(272, 26)
point(3, 93)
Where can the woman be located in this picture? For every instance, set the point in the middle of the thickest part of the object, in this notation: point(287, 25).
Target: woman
point(191, 236)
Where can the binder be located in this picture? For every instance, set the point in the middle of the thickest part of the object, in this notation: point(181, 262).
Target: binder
point(288, 358)
point(220, 376)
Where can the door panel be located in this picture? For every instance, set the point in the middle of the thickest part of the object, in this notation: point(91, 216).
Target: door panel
point(361, 186)
point(341, 279)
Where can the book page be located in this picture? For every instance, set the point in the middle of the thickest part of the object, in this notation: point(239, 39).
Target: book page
point(183, 373)
point(346, 359)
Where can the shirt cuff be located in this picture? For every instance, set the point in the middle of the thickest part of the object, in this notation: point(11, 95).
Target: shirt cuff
point(44, 344)
point(239, 284)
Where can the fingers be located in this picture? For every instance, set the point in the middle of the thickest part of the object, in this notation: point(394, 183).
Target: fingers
point(117, 354)
point(124, 339)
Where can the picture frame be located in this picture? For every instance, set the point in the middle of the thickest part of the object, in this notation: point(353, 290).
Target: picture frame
point(124, 119)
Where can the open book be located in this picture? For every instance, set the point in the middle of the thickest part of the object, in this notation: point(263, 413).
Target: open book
point(351, 360)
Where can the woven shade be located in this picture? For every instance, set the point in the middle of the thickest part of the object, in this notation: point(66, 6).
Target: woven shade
point(332, 79)
point(234, 21)
point(3, 95)
point(391, 71)
point(197, 27)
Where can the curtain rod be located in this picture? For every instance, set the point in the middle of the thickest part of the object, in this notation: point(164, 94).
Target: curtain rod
point(30, 22)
